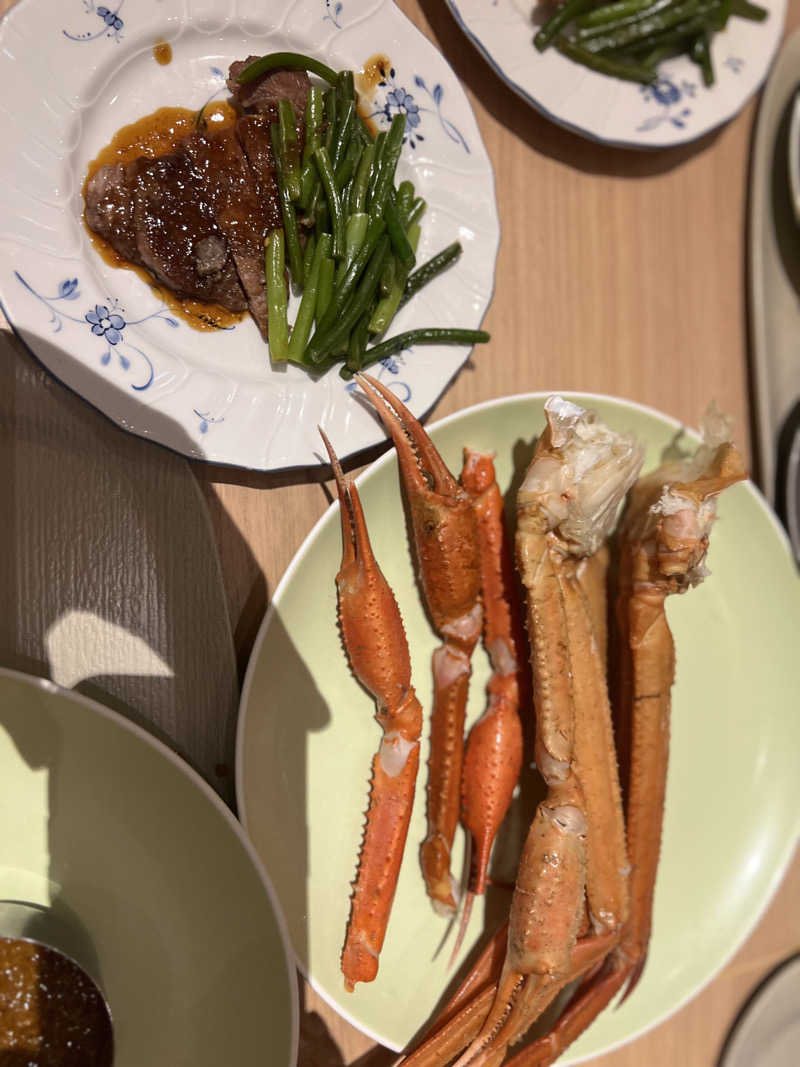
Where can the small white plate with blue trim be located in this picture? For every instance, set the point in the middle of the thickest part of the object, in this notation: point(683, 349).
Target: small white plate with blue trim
point(673, 110)
point(72, 73)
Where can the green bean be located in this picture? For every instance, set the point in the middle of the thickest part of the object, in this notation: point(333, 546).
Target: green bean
point(290, 147)
point(417, 210)
point(600, 16)
point(389, 160)
point(358, 199)
point(557, 21)
point(614, 68)
point(397, 234)
point(358, 341)
point(291, 232)
point(387, 308)
point(377, 159)
point(702, 57)
point(322, 217)
point(346, 85)
point(344, 172)
point(678, 38)
point(293, 60)
point(308, 256)
point(315, 117)
point(278, 328)
point(355, 232)
point(653, 56)
point(344, 197)
point(590, 32)
point(663, 20)
point(745, 10)
point(430, 270)
point(389, 274)
point(323, 344)
point(324, 288)
point(432, 335)
point(323, 161)
point(305, 313)
point(404, 200)
point(375, 229)
point(718, 19)
point(309, 183)
point(331, 118)
point(344, 131)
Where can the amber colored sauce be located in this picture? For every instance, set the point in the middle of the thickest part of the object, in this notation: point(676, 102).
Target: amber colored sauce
point(152, 136)
point(373, 72)
point(162, 53)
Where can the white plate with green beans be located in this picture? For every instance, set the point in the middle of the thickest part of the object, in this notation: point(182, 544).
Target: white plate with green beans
point(632, 73)
point(81, 71)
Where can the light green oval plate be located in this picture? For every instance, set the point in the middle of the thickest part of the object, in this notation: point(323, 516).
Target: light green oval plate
point(307, 736)
point(118, 836)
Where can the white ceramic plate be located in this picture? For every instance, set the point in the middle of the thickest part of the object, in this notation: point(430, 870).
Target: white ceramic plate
point(774, 273)
point(119, 837)
point(72, 72)
point(767, 1033)
point(675, 109)
point(307, 736)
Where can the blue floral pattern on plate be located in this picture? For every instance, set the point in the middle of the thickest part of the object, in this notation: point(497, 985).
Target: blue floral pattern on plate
point(398, 100)
point(389, 366)
point(206, 419)
point(107, 323)
point(671, 98)
point(333, 11)
point(112, 24)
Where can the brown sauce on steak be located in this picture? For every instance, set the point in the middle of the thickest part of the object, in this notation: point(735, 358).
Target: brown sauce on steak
point(154, 136)
point(51, 1012)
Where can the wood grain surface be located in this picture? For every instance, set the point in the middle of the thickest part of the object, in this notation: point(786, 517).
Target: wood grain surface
point(619, 272)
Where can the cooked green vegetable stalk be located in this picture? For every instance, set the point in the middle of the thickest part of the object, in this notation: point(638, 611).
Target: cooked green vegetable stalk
point(350, 234)
point(629, 38)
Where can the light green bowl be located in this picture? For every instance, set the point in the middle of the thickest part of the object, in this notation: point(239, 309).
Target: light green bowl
point(307, 736)
point(129, 847)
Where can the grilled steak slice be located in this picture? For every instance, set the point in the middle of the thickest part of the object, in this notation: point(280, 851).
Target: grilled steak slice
point(150, 213)
point(177, 238)
point(241, 215)
point(264, 93)
point(253, 133)
point(109, 210)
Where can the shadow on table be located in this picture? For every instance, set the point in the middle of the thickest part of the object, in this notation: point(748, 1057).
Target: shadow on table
point(109, 570)
point(112, 582)
point(529, 125)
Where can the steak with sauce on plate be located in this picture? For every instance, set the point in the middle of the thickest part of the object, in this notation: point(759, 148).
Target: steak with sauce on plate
point(196, 218)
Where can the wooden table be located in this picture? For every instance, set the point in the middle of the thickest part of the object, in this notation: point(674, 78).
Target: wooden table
point(619, 272)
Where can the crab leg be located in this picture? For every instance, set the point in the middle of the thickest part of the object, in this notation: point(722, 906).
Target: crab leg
point(446, 547)
point(566, 506)
point(663, 544)
point(373, 635)
point(452, 1032)
point(493, 753)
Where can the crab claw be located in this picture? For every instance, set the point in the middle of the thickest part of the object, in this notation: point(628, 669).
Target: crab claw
point(375, 642)
point(444, 536)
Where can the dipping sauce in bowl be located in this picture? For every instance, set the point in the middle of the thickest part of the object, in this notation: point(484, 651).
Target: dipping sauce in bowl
point(51, 1012)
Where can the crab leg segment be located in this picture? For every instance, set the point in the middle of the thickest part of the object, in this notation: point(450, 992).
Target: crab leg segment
point(446, 547)
point(663, 545)
point(373, 635)
point(493, 753)
point(452, 1032)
